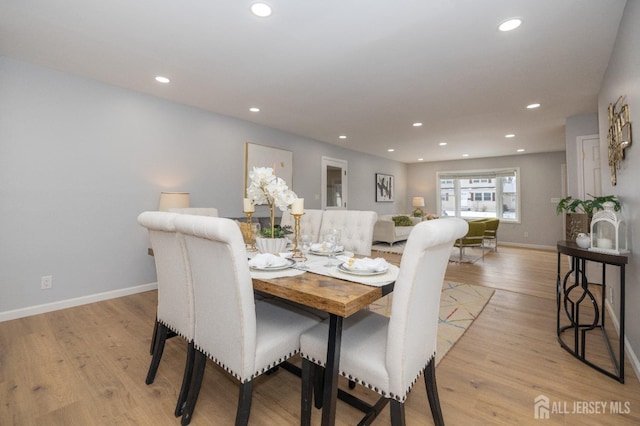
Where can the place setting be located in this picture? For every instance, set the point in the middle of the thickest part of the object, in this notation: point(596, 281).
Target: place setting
point(268, 265)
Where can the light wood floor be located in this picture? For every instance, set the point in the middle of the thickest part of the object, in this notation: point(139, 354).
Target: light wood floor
point(87, 365)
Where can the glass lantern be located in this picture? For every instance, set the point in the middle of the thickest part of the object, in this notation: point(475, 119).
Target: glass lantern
point(608, 231)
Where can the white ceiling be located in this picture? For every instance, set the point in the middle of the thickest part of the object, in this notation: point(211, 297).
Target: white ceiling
point(367, 69)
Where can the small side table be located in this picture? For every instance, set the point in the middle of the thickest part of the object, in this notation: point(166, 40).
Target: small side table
point(572, 293)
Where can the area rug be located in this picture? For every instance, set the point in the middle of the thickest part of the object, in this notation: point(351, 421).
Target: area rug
point(460, 305)
point(397, 248)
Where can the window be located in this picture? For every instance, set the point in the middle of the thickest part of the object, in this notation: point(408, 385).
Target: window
point(472, 194)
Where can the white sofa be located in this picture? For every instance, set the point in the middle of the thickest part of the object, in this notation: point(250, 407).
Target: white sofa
point(385, 230)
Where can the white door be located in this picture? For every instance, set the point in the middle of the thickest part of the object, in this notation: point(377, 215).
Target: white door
point(334, 184)
point(589, 177)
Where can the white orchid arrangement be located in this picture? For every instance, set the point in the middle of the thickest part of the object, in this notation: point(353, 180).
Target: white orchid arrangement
point(266, 188)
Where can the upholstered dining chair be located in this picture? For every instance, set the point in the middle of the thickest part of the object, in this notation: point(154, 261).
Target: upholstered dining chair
point(356, 228)
point(175, 314)
point(388, 354)
point(473, 238)
point(244, 336)
point(309, 223)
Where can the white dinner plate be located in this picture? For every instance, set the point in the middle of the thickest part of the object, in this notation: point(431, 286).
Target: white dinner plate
point(289, 264)
point(348, 270)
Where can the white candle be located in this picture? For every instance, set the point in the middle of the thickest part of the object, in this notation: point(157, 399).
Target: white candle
point(248, 205)
point(298, 206)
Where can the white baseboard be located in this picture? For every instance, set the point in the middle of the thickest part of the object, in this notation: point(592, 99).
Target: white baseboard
point(76, 301)
point(631, 355)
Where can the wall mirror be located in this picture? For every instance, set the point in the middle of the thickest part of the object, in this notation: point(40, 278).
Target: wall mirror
point(334, 184)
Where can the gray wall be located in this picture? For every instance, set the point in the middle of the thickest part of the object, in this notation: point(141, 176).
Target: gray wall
point(540, 180)
point(623, 78)
point(79, 160)
point(578, 125)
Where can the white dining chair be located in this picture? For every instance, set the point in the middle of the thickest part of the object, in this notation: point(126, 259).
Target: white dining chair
point(244, 336)
point(309, 223)
point(175, 314)
point(356, 228)
point(388, 354)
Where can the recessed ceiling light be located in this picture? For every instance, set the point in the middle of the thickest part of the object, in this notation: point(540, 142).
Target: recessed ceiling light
point(510, 24)
point(510, 135)
point(391, 150)
point(261, 10)
point(521, 150)
point(532, 106)
point(417, 124)
point(465, 155)
point(254, 109)
point(161, 79)
point(342, 137)
point(420, 159)
point(442, 143)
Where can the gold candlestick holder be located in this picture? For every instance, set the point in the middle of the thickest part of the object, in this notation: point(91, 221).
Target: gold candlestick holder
point(251, 245)
point(296, 254)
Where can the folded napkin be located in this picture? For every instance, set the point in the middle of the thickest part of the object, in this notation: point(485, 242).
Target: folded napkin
point(365, 264)
point(321, 248)
point(266, 260)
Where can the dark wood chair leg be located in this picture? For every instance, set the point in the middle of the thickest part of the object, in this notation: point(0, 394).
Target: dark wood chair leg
point(318, 385)
point(160, 339)
point(153, 336)
point(244, 404)
point(199, 363)
point(432, 392)
point(308, 370)
point(397, 413)
point(186, 380)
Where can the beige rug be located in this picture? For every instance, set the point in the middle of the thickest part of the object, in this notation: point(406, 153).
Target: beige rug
point(460, 305)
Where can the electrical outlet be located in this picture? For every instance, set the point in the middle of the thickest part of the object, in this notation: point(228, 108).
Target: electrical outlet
point(526, 234)
point(46, 282)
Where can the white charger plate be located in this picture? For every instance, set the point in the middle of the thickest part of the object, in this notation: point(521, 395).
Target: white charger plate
point(347, 270)
point(289, 264)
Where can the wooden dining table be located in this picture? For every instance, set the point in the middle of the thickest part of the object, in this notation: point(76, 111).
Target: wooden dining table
point(340, 299)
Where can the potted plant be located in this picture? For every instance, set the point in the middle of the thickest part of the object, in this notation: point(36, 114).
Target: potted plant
point(266, 188)
point(580, 212)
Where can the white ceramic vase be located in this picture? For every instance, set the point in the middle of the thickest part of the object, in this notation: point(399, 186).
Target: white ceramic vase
point(271, 245)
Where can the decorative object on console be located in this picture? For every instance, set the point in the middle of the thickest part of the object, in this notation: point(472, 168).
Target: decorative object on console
point(619, 137)
point(418, 203)
point(173, 200)
point(266, 188)
point(580, 212)
point(608, 231)
point(583, 240)
point(384, 188)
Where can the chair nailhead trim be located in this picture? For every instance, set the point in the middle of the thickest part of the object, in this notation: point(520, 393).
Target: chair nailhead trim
point(399, 398)
point(174, 330)
point(253, 375)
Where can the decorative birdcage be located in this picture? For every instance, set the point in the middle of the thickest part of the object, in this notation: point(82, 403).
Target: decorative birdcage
point(608, 231)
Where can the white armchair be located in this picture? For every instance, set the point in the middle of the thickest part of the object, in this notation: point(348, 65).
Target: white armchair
point(198, 211)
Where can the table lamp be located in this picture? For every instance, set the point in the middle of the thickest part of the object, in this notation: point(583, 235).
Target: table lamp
point(173, 200)
point(418, 203)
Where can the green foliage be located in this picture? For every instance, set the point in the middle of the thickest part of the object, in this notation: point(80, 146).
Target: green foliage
point(402, 221)
point(278, 231)
point(571, 205)
point(418, 213)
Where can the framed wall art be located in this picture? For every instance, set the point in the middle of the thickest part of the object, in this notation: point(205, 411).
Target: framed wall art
point(280, 160)
point(384, 188)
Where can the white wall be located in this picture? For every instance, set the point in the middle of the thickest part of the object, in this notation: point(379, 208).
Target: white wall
point(79, 160)
point(540, 180)
point(623, 78)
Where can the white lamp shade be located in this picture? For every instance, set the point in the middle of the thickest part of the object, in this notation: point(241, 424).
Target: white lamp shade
point(173, 200)
point(418, 201)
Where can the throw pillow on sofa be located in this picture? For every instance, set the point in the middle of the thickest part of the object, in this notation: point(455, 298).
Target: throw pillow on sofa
point(402, 221)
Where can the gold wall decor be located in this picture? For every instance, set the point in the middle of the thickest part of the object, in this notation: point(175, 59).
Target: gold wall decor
point(619, 137)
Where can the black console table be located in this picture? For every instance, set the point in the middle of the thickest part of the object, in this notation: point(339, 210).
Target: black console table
point(572, 293)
